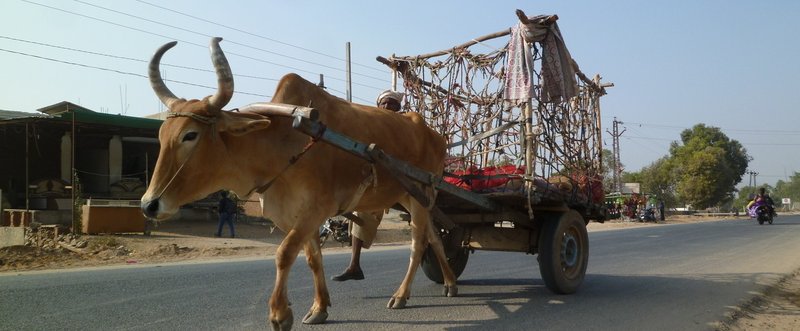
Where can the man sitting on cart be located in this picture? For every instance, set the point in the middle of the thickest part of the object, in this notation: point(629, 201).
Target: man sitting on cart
point(363, 235)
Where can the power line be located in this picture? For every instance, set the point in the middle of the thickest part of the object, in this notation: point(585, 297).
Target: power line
point(649, 148)
point(187, 42)
point(343, 93)
point(754, 131)
point(229, 41)
point(650, 138)
point(256, 35)
point(126, 58)
point(743, 143)
point(124, 72)
point(143, 76)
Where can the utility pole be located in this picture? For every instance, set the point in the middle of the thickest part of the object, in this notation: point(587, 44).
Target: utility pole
point(349, 78)
point(752, 182)
point(615, 134)
point(321, 81)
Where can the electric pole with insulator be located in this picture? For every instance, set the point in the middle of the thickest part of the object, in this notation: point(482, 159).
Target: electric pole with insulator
point(615, 134)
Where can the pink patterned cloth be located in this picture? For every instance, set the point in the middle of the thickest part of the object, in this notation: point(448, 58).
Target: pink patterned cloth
point(558, 74)
point(519, 68)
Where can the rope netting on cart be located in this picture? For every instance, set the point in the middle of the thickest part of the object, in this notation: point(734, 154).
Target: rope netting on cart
point(523, 108)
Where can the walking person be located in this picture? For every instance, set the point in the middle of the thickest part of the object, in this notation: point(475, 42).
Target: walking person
point(661, 209)
point(226, 209)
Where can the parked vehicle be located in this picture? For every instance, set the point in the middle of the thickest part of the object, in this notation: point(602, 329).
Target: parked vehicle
point(649, 215)
point(337, 228)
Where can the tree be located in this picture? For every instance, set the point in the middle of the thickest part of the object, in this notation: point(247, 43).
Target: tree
point(632, 177)
point(707, 166)
point(790, 189)
point(658, 178)
point(609, 166)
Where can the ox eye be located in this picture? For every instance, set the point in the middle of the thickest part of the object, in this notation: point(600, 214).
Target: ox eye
point(190, 136)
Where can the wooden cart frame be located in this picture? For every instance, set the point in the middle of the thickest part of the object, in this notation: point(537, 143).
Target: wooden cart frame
point(553, 136)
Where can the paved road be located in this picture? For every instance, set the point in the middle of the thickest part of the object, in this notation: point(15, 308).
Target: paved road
point(668, 277)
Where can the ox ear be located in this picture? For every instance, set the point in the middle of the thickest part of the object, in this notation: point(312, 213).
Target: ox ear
point(241, 125)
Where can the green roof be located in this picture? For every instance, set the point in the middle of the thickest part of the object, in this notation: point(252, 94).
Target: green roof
point(64, 111)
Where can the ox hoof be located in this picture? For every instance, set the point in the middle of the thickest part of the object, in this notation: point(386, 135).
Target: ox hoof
point(396, 303)
point(450, 291)
point(315, 318)
point(284, 325)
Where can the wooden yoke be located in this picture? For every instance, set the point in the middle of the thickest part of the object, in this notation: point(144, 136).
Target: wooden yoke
point(280, 109)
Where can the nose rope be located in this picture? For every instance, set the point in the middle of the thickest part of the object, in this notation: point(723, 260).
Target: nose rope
point(191, 152)
point(202, 119)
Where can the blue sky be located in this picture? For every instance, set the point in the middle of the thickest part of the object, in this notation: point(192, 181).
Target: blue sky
point(729, 64)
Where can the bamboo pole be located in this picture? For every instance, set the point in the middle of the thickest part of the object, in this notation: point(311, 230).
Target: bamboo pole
point(520, 14)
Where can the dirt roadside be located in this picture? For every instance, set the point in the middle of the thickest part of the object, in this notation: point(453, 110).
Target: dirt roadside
point(777, 308)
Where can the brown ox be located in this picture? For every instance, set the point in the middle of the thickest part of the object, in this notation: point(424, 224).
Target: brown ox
point(205, 149)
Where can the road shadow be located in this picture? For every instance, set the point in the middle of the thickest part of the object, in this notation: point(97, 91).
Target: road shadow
point(616, 302)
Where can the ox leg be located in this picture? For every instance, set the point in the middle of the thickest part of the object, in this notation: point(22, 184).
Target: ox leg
point(422, 234)
point(280, 315)
point(322, 300)
point(435, 241)
point(418, 243)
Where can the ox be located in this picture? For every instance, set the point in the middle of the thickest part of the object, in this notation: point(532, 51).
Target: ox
point(205, 149)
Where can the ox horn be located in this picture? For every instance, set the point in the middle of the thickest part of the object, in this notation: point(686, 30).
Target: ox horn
point(224, 77)
point(162, 91)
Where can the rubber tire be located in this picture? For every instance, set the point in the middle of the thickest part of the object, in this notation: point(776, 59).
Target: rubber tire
point(457, 257)
point(567, 230)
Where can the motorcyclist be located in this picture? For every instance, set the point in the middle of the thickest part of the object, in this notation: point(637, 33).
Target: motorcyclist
point(763, 197)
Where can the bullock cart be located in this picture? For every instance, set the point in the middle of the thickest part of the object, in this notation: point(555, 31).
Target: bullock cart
point(524, 132)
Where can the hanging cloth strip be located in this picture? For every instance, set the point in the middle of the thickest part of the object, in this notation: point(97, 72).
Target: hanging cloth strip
point(519, 68)
point(558, 74)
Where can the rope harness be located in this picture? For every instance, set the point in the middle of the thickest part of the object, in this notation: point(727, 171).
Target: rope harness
point(211, 122)
point(313, 140)
point(370, 179)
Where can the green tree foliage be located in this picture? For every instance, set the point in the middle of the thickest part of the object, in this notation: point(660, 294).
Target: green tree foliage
point(790, 189)
point(658, 179)
point(746, 194)
point(632, 177)
point(707, 166)
point(609, 165)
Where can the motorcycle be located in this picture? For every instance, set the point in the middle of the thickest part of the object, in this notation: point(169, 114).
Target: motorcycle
point(761, 211)
point(649, 215)
point(336, 227)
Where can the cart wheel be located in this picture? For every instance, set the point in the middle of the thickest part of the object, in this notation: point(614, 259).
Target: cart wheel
point(563, 252)
point(457, 257)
